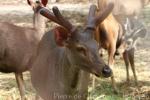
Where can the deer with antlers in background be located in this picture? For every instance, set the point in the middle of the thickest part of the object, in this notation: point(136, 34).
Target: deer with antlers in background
point(128, 45)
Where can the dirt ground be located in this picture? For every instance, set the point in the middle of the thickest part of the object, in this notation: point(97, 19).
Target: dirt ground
point(19, 13)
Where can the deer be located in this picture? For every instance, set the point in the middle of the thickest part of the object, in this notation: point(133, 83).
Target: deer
point(111, 35)
point(131, 37)
point(18, 45)
point(66, 56)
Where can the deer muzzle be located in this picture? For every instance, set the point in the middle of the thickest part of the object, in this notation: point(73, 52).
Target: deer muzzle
point(104, 72)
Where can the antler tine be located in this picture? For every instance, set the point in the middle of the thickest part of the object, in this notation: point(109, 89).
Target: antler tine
point(133, 34)
point(102, 15)
point(65, 23)
point(45, 12)
point(130, 35)
point(91, 21)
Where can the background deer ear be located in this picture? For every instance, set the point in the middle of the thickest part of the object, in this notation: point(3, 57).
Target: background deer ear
point(61, 36)
point(44, 2)
point(28, 1)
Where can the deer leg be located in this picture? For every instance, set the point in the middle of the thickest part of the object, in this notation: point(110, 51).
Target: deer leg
point(93, 81)
point(20, 83)
point(131, 60)
point(114, 84)
point(111, 53)
point(126, 61)
point(111, 60)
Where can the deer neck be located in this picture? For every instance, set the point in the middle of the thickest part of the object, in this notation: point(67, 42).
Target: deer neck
point(39, 24)
point(72, 78)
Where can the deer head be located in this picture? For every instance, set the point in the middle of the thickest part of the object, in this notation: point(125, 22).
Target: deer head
point(82, 49)
point(41, 2)
point(39, 21)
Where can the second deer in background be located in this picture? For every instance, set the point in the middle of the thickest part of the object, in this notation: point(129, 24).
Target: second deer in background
point(109, 35)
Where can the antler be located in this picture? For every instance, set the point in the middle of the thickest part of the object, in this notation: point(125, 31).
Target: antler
point(93, 20)
point(57, 18)
point(140, 32)
point(65, 23)
point(91, 17)
point(45, 12)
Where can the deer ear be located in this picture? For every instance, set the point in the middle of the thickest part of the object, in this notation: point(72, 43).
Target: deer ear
point(44, 2)
point(61, 35)
point(28, 1)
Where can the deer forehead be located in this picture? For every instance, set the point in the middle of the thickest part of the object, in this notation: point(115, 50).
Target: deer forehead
point(90, 44)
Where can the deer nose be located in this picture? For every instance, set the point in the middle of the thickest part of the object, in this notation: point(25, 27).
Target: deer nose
point(107, 72)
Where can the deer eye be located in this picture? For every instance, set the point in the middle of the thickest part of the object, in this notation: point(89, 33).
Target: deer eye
point(81, 50)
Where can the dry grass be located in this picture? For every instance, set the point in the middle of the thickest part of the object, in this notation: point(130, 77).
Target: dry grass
point(9, 89)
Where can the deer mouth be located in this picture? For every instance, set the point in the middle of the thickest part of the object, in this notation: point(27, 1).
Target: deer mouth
point(103, 75)
point(103, 72)
point(106, 72)
point(97, 75)
point(107, 76)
